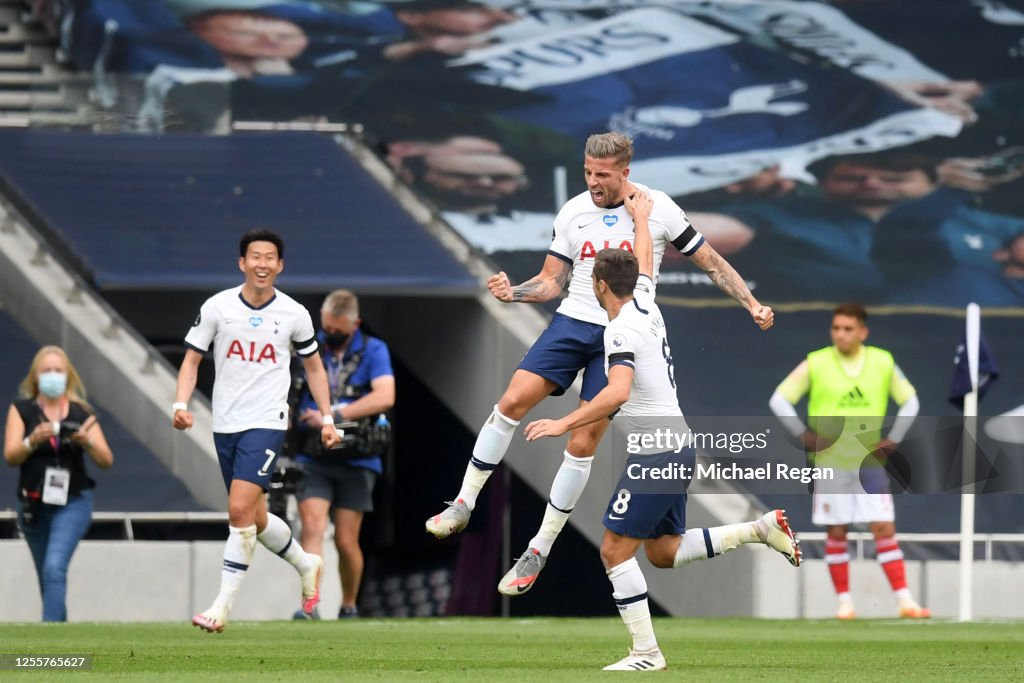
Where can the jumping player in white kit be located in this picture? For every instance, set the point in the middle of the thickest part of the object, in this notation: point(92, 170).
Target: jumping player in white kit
point(641, 387)
point(253, 329)
point(594, 220)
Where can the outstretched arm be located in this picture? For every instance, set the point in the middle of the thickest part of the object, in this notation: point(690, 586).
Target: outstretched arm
point(607, 401)
point(729, 281)
point(544, 286)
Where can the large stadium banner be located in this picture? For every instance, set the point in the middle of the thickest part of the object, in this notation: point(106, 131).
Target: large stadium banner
point(704, 106)
point(745, 112)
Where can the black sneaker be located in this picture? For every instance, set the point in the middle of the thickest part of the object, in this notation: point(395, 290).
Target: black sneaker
point(348, 613)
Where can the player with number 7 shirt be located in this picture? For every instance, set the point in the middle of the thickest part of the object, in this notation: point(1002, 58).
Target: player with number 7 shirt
point(253, 329)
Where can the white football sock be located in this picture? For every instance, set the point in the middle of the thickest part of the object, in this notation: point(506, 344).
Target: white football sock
point(277, 538)
point(701, 544)
point(692, 547)
point(629, 588)
point(566, 489)
point(569, 481)
point(732, 536)
point(552, 524)
point(238, 550)
point(491, 444)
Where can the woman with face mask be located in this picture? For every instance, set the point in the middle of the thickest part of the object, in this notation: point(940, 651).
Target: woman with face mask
point(49, 431)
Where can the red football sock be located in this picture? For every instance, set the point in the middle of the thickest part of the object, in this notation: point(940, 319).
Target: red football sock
point(837, 557)
point(890, 556)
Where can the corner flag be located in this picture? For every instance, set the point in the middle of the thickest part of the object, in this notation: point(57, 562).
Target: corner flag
point(974, 370)
point(987, 372)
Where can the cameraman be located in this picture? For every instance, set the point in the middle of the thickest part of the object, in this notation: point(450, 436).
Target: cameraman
point(49, 431)
point(362, 387)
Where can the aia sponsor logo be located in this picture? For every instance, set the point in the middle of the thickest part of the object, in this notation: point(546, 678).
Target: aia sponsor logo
point(249, 353)
point(589, 250)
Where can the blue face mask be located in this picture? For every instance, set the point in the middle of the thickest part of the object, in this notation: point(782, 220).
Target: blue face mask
point(53, 384)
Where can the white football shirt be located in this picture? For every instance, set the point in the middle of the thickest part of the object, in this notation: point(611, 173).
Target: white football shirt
point(251, 353)
point(637, 338)
point(583, 229)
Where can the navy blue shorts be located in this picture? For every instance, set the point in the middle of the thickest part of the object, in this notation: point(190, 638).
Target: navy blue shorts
point(643, 507)
point(566, 347)
point(249, 455)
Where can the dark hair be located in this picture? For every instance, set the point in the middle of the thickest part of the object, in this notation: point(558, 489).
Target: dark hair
point(619, 269)
point(885, 160)
point(852, 309)
point(261, 235)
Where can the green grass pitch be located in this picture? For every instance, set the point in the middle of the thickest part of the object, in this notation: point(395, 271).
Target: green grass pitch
point(528, 650)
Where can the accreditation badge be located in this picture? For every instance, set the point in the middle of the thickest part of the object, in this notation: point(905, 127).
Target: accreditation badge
point(56, 483)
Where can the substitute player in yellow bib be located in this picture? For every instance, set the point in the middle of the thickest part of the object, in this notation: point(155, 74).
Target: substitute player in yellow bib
point(848, 386)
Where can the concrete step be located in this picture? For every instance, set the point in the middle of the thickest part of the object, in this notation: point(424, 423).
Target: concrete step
point(61, 119)
point(23, 77)
point(31, 99)
point(16, 74)
point(46, 75)
point(28, 55)
point(15, 58)
point(38, 77)
point(15, 34)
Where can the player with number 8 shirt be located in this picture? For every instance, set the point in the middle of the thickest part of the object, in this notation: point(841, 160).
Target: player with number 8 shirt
point(641, 387)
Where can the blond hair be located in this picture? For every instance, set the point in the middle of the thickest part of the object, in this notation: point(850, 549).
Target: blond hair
point(612, 144)
point(341, 302)
point(29, 387)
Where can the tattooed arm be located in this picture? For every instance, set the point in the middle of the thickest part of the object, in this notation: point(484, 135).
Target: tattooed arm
point(545, 286)
point(729, 281)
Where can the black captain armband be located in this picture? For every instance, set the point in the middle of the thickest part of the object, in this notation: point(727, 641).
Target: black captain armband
point(685, 237)
point(622, 358)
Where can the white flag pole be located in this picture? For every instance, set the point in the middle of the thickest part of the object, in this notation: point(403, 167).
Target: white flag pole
point(968, 476)
point(561, 184)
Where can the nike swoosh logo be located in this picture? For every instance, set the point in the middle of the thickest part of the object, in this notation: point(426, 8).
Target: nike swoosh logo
point(261, 473)
point(523, 589)
point(614, 517)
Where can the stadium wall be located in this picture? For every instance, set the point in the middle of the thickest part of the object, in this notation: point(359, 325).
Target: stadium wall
point(170, 581)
